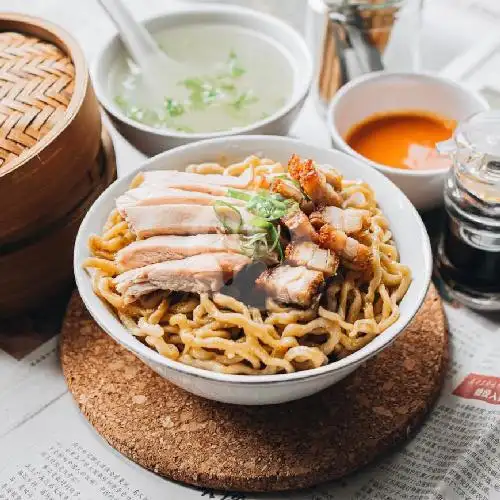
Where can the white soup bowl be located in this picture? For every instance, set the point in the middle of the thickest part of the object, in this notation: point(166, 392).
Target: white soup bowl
point(385, 92)
point(151, 140)
point(406, 225)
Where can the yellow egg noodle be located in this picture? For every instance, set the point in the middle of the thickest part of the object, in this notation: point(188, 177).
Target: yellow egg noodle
point(220, 333)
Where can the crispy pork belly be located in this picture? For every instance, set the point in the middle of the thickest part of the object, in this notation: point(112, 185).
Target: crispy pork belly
point(313, 182)
point(292, 192)
point(162, 248)
point(167, 177)
point(299, 226)
point(349, 220)
point(291, 285)
point(332, 176)
point(310, 255)
point(155, 220)
point(287, 190)
point(345, 246)
point(153, 195)
point(197, 274)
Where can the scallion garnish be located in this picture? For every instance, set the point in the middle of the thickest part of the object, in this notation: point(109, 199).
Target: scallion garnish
point(260, 222)
point(275, 238)
point(232, 224)
point(239, 195)
point(263, 204)
point(267, 208)
point(255, 246)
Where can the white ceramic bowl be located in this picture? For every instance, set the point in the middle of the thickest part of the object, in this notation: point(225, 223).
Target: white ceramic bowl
point(383, 92)
point(406, 225)
point(151, 140)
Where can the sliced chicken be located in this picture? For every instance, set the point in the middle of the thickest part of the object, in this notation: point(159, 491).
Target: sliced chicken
point(167, 177)
point(154, 195)
point(345, 246)
point(299, 226)
point(162, 248)
point(313, 182)
point(184, 219)
point(197, 274)
point(291, 285)
point(310, 255)
point(349, 220)
point(197, 187)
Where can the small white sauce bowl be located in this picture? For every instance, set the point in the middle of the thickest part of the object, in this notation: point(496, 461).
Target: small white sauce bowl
point(406, 225)
point(151, 140)
point(385, 92)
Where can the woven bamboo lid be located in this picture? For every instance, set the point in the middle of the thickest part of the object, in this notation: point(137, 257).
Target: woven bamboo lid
point(50, 127)
point(36, 85)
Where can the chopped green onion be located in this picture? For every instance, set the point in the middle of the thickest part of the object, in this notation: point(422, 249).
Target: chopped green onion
point(275, 238)
point(268, 207)
point(121, 101)
point(246, 98)
point(260, 222)
point(239, 195)
point(255, 246)
point(235, 69)
point(263, 204)
point(228, 87)
point(194, 84)
point(174, 108)
point(220, 208)
point(261, 245)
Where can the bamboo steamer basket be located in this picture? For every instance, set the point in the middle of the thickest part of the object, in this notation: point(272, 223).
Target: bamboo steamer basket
point(47, 153)
point(54, 160)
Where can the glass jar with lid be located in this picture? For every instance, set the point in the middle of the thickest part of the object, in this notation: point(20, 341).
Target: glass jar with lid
point(468, 259)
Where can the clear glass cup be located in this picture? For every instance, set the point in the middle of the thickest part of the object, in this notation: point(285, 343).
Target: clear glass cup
point(351, 37)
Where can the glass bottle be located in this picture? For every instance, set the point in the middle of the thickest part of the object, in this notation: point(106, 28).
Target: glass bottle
point(468, 258)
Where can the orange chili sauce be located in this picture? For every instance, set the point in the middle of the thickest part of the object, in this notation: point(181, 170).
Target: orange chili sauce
point(402, 139)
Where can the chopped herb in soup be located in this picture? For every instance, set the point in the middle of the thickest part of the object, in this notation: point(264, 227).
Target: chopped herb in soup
point(232, 88)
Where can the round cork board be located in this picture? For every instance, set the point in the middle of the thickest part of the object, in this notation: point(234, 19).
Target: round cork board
point(293, 445)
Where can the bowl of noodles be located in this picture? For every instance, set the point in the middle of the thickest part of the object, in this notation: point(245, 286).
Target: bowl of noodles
point(253, 270)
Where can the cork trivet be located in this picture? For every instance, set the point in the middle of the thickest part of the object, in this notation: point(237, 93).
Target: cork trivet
point(294, 445)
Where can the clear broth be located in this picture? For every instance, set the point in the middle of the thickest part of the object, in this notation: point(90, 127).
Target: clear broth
point(241, 77)
point(404, 139)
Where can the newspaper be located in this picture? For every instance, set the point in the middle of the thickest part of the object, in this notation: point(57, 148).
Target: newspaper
point(49, 451)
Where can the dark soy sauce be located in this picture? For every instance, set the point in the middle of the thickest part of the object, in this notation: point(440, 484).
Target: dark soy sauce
point(468, 266)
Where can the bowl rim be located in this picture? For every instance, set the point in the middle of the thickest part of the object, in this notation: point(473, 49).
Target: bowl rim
point(52, 33)
point(381, 75)
point(304, 78)
point(131, 343)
